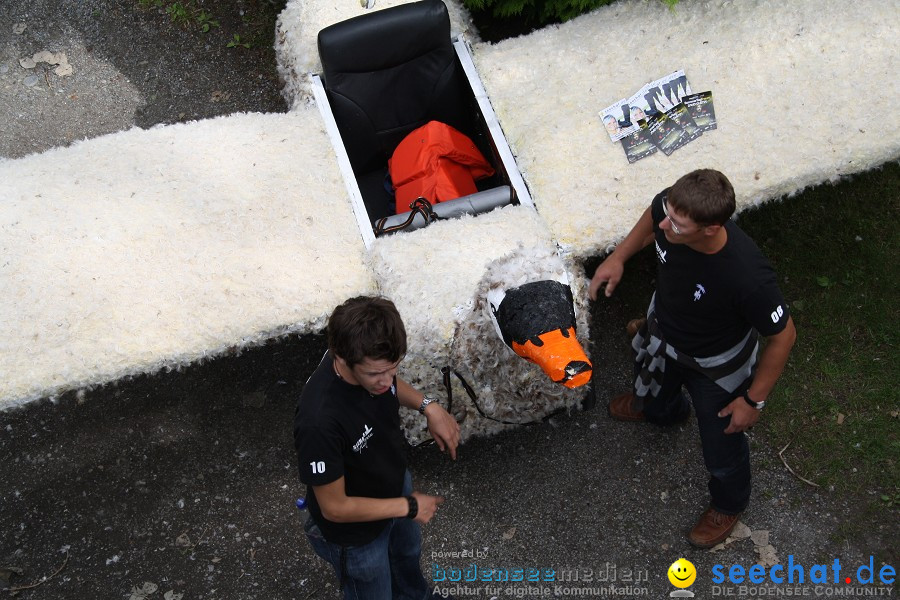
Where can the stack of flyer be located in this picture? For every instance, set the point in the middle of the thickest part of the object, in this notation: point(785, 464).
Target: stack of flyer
point(663, 115)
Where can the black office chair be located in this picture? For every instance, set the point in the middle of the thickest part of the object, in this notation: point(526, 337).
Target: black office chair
point(386, 73)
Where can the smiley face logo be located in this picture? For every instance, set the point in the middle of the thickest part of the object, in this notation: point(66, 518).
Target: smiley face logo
point(682, 573)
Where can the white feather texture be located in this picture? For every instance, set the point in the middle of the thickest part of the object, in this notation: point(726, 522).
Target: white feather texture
point(436, 276)
point(297, 30)
point(155, 248)
point(804, 92)
point(432, 274)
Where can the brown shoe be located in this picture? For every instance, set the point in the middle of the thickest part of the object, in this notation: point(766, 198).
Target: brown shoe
point(621, 409)
point(712, 528)
point(634, 326)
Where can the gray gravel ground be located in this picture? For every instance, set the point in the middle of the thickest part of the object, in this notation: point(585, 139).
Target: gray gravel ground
point(183, 484)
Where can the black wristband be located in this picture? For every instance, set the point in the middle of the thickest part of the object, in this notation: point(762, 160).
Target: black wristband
point(413, 507)
point(749, 400)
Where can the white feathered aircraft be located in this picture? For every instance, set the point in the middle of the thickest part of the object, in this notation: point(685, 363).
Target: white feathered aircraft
point(152, 249)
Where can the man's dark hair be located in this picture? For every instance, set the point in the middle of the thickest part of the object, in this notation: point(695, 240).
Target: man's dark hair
point(366, 327)
point(704, 195)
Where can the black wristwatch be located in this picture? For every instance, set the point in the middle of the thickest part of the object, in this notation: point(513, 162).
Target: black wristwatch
point(413, 507)
point(756, 405)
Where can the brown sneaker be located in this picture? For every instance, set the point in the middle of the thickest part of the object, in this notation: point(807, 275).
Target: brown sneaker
point(712, 528)
point(621, 409)
point(634, 326)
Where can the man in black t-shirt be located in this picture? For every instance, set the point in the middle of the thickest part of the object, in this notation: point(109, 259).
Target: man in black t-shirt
point(363, 514)
point(715, 292)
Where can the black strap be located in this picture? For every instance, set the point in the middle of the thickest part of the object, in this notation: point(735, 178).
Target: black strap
point(446, 372)
point(419, 206)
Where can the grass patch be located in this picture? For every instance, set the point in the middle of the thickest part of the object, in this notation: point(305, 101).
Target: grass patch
point(186, 13)
point(236, 24)
point(835, 250)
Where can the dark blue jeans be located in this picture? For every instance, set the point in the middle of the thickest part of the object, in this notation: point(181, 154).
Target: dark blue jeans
point(386, 568)
point(727, 457)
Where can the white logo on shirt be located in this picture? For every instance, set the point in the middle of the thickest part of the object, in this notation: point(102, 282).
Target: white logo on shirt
point(363, 441)
point(698, 293)
point(660, 253)
point(777, 314)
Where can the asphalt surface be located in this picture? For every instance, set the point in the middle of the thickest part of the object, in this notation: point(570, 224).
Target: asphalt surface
point(182, 484)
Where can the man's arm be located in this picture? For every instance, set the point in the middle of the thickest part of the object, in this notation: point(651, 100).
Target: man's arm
point(441, 424)
point(338, 507)
point(611, 269)
point(771, 364)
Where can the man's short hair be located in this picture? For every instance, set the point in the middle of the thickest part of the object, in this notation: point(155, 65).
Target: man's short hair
point(704, 195)
point(367, 327)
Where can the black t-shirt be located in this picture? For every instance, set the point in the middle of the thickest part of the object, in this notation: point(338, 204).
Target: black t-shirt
point(706, 303)
point(340, 430)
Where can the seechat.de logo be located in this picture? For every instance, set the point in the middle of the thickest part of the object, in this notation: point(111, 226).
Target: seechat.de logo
point(795, 572)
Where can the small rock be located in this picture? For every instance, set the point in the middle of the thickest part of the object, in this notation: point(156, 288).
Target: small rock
point(140, 593)
point(767, 556)
point(741, 531)
point(45, 56)
point(27, 63)
point(717, 547)
point(19, 28)
point(760, 537)
point(30, 81)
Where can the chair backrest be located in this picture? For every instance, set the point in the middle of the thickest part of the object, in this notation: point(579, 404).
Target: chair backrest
point(388, 72)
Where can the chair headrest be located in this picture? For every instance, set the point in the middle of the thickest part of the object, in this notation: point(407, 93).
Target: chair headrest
point(358, 44)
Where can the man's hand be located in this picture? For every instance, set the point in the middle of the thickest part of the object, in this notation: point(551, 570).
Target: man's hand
point(443, 428)
point(427, 506)
point(609, 272)
point(743, 416)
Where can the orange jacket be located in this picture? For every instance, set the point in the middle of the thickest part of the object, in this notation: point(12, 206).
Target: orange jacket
point(435, 162)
